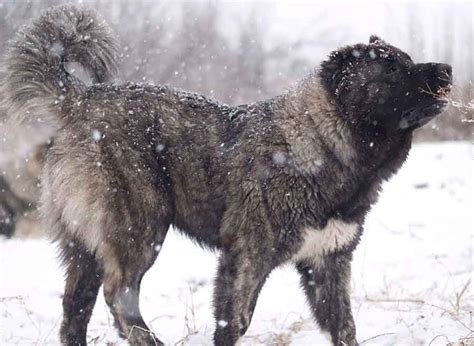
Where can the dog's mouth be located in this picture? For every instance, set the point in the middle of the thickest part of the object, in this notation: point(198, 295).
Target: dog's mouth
point(419, 116)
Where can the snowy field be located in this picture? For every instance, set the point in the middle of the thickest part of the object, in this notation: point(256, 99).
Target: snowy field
point(411, 276)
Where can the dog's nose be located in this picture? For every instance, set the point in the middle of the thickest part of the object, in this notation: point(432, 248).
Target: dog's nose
point(444, 70)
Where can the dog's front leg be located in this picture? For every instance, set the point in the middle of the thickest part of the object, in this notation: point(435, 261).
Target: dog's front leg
point(326, 285)
point(238, 283)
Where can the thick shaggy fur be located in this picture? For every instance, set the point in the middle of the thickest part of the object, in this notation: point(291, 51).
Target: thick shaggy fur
point(66, 51)
point(287, 179)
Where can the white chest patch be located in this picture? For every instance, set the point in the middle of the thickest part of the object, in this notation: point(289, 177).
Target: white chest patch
point(318, 242)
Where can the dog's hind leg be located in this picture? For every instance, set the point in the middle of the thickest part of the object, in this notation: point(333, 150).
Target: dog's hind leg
point(83, 280)
point(124, 267)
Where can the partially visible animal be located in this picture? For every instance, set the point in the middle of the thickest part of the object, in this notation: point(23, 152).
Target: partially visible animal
point(19, 189)
point(289, 179)
point(11, 206)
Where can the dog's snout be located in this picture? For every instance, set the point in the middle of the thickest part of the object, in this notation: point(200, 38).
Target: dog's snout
point(444, 71)
point(434, 74)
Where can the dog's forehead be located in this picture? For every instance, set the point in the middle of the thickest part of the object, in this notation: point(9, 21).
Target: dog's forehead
point(373, 52)
point(386, 51)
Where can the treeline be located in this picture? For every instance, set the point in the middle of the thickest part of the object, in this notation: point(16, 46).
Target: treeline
point(199, 46)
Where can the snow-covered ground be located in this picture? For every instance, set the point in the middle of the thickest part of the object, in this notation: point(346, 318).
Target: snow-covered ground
point(411, 276)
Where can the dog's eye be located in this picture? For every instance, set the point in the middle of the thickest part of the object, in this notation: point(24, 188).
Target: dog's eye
point(392, 69)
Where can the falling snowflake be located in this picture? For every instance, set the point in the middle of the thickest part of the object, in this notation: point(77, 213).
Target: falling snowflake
point(222, 323)
point(96, 135)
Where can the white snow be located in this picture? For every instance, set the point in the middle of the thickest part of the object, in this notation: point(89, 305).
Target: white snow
point(409, 272)
point(96, 135)
point(79, 71)
point(57, 48)
point(222, 323)
point(279, 158)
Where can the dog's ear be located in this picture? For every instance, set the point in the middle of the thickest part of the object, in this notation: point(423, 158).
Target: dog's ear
point(331, 71)
point(334, 68)
point(376, 39)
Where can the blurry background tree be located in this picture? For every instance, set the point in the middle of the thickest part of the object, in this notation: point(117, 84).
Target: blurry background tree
point(240, 52)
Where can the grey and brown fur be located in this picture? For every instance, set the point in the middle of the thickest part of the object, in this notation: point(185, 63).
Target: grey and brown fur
point(85, 41)
point(286, 179)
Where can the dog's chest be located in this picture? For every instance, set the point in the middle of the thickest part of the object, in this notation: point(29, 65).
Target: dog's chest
point(318, 242)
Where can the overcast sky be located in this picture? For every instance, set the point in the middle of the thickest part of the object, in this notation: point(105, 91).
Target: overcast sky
point(345, 22)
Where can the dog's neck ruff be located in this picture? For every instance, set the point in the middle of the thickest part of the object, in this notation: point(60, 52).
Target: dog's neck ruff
point(309, 118)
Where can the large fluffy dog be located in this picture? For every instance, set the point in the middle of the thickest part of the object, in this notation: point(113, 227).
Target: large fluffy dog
point(286, 179)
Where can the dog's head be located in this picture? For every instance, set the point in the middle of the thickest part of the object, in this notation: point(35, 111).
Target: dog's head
point(379, 86)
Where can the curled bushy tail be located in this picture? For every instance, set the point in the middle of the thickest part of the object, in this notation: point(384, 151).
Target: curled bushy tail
point(57, 56)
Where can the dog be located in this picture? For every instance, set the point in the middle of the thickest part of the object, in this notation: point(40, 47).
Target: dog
point(11, 207)
point(19, 191)
point(289, 179)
